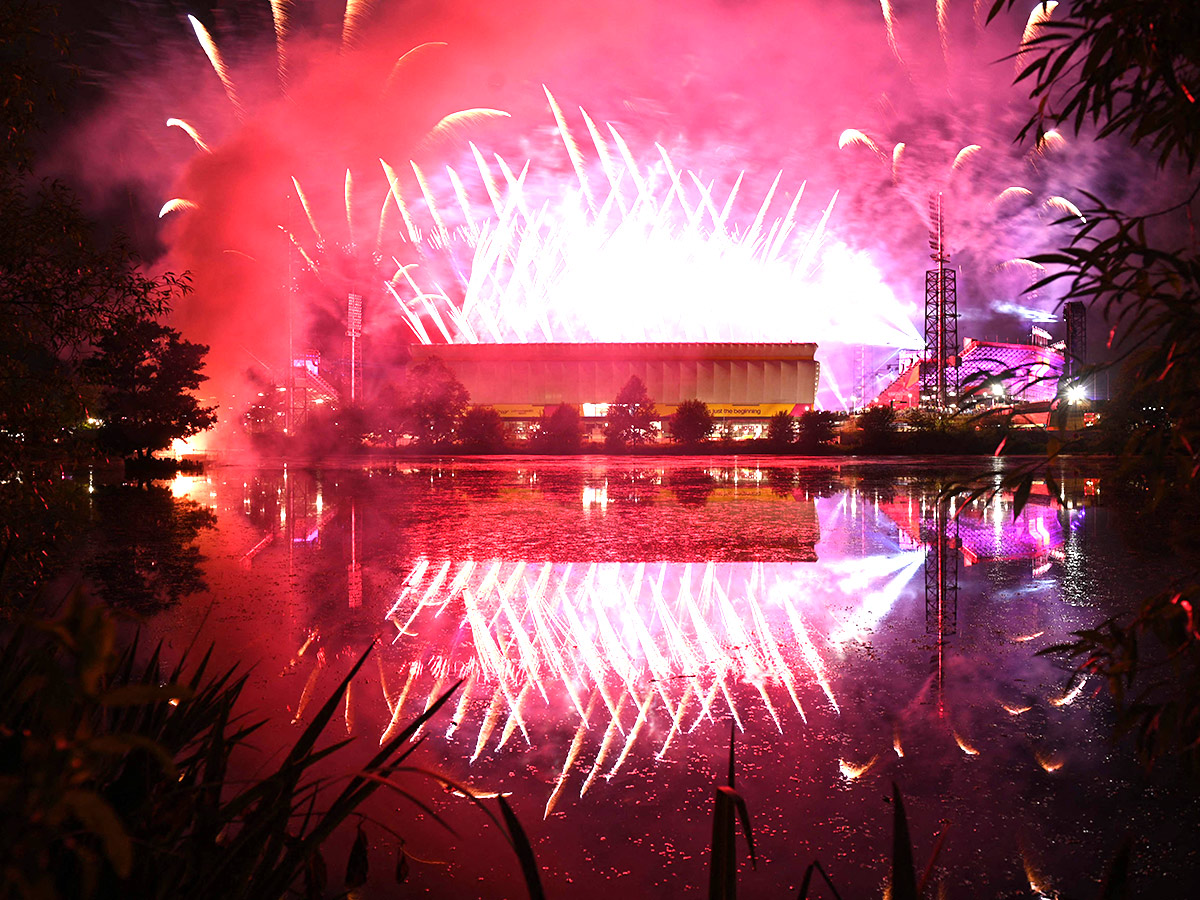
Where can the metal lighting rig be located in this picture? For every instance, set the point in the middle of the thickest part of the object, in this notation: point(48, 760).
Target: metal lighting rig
point(939, 372)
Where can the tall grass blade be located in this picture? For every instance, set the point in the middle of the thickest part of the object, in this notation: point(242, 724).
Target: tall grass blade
point(804, 885)
point(533, 879)
point(904, 874)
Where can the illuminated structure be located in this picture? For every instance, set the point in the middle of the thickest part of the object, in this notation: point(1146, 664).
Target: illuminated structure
point(740, 381)
point(940, 371)
point(1003, 372)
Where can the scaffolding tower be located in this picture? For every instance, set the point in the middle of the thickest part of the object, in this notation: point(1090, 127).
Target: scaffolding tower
point(939, 373)
point(1075, 316)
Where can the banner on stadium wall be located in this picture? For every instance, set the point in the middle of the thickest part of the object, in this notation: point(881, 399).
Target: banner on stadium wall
point(743, 410)
point(718, 410)
point(518, 410)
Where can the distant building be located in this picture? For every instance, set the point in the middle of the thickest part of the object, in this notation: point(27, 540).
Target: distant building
point(743, 384)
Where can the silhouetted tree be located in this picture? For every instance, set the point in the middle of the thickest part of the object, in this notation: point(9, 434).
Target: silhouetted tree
point(482, 430)
point(61, 285)
point(781, 430)
point(432, 403)
point(145, 374)
point(1129, 70)
point(877, 425)
point(817, 428)
point(691, 423)
point(561, 431)
point(631, 415)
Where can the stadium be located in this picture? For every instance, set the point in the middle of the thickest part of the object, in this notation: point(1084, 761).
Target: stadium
point(743, 384)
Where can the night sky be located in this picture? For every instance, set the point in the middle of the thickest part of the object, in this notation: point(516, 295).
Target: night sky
point(761, 89)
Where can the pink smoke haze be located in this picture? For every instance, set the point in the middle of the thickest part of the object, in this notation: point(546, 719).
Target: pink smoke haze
point(702, 92)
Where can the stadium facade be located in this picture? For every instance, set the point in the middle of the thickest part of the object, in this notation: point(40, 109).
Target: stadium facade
point(743, 383)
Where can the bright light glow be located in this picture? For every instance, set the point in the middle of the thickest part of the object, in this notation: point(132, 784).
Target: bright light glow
point(633, 250)
point(1076, 393)
point(852, 772)
point(673, 642)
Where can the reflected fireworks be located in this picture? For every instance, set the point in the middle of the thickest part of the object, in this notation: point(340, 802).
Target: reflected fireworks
point(611, 644)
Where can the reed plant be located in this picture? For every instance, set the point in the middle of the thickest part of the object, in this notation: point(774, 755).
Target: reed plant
point(115, 777)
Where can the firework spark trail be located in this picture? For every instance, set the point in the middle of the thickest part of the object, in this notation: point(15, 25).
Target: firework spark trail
point(459, 123)
point(410, 227)
point(435, 691)
point(421, 604)
point(854, 136)
point(573, 151)
point(549, 645)
point(1070, 696)
point(897, 155)
point(677, 721)
point(1038, 16)
point(279, 18)
point(965, 154)
point(654, 660)
point(767, 641)
point(786, 225)
point(1062, 204)
point(312, 222)
point(460, 710)
point(218, 65)
point(852, 772)
point(572, 754)
point(350, 206)
point(528, 653)
point(488, 724)
point(407, 587)
point(890, 23)
point(384, 688)
point(810, 247)
point(394, 724)
point(514, 717)
point(607, 162)
point(943, 22)
point(414, 320)
point(592, 660)
point(309, 261)
point(405, 59)
point(489, 181)
point(190, 132)
point(809, 651)
point(352, 21)
point(175, 204)
point(638, 723)
point(964, 746)
point(431, 204)
point(464, 204)
point(614, 725)
point(348, 714)
point(614, 650)
point(1010, 192)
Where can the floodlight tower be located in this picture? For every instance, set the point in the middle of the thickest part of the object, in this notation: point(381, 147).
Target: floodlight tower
point(939, 386)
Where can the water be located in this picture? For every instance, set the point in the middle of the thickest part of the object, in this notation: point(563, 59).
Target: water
point(611, 621)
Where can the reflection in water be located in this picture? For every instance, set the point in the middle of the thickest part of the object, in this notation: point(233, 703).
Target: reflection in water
point(608, 620)
point(666, 638)
point(143, 554)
